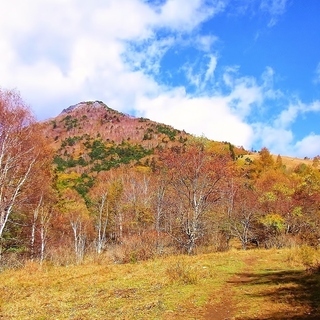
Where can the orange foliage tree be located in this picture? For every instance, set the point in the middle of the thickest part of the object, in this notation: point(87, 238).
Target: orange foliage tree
point(21, 149)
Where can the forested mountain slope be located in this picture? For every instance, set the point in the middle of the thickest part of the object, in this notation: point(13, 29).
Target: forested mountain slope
point(110, 183)
point(92, 135)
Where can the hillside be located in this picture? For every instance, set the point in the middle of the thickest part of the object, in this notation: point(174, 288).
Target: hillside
point(289, 162)
point(85, 130)
point(90, 136)
point(138, 189)
point(97, 120)
point(98, 191)
point(90, 133)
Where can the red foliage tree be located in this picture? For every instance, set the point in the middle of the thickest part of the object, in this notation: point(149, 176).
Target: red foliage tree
point(197, 176)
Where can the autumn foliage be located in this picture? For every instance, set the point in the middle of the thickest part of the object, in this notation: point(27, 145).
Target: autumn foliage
point(96, 182)
point(24, 168)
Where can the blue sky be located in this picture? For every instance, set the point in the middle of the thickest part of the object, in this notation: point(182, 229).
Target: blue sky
point(243, 71)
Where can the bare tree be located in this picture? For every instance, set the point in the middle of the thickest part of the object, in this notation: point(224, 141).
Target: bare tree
point(197, 174)
point(76, 212)
point(105, 197)
point(41, 215)
point(242, 211)
point(20, 148)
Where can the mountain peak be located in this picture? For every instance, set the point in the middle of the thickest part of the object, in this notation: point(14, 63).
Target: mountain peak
point(79, 125)
point(85, 104)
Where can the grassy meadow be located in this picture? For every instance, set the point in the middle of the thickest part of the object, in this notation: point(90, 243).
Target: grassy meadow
point(252, 284)
point(289, 162)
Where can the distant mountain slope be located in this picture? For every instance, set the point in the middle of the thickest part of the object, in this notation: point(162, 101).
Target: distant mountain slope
point(91, 137)
point(289, 162)
point(97, 120)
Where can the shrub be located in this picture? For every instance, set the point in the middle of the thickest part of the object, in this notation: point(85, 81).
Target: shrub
point(61, 256)
point(140, 248)
point(183, 273)
point(133, 249)
point(168, 131)
point(11, 260)
point(308, 257)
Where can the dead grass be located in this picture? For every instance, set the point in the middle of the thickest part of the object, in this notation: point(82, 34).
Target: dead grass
point(289, 162)
point(265, 284)
point(276, 287)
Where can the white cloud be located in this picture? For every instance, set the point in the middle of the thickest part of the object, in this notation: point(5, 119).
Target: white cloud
point(275, 8)
point(121, 19)
point(276, 139)
point(76, 49)
point(268, 84)
point(245, 93)
point(221, 116)
point(205, 42)
point(99, 39)
point(313, 107)
point(277, 135)
point(87, 42)
point(207, 116)
point(210, 68)
point(193, 76)
point(266, 9)
point(181, 15)
point(289, 115)
point(200, 73)
point(60, 52)
point(309, 146)
point(148, 55)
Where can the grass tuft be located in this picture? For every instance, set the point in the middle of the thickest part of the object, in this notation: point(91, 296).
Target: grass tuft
point(181, 272)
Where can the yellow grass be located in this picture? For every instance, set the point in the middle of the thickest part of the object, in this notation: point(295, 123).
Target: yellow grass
point(289, 162)
point(262, 284)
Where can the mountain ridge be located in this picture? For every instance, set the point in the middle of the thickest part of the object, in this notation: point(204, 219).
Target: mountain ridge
point(90, 137)
point(95, 117)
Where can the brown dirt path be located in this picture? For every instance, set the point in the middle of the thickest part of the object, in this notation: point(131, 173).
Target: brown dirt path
point(225, 309)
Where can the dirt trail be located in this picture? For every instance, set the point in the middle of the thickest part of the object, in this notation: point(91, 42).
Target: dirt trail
point(226, 307)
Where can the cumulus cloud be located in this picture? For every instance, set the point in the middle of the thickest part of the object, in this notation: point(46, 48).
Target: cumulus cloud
point(200, 72)
point(221, 116)
point(60, 52)
point(282, 141)
point(181, 15)
point(277, 139)
point(244, 94)
point(79, 50)
point(278, 136)
point(309, 146)
point(287, 116)
point(211, 66)
point(207, 116)
point(98, 55)
point(205, 42)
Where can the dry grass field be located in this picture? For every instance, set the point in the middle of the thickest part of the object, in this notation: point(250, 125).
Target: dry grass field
point(252, 284)
point(289, 162)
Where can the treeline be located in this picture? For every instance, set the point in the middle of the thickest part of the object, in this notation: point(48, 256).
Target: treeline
point(196, 196)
